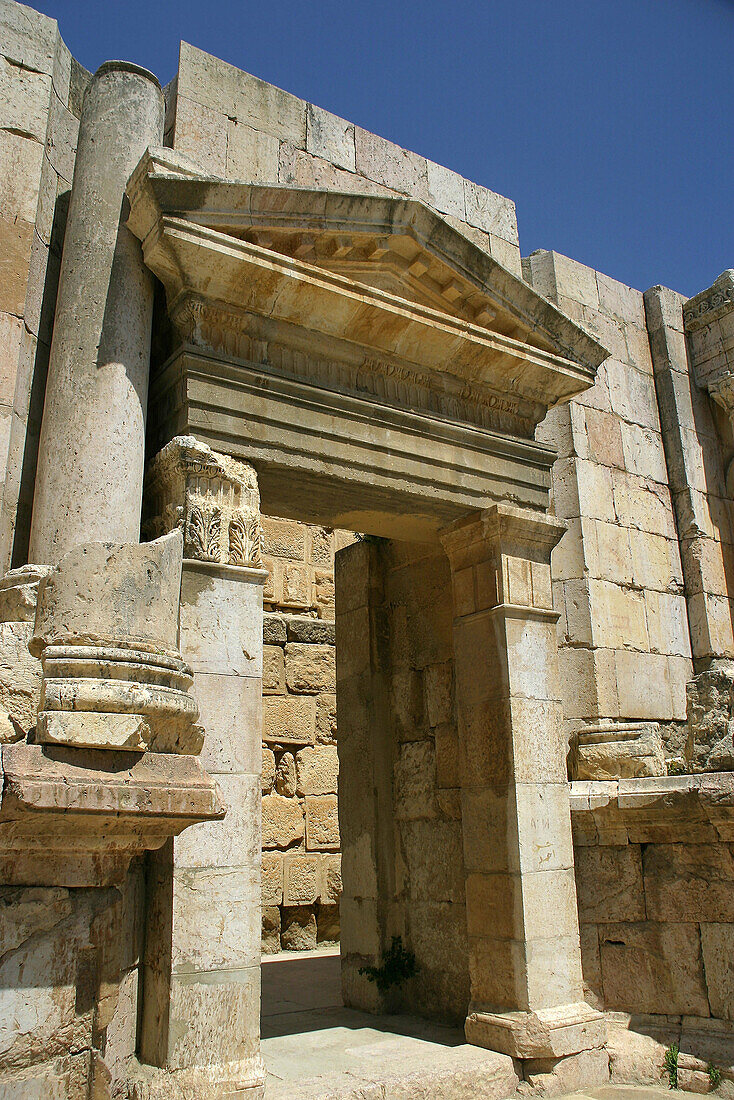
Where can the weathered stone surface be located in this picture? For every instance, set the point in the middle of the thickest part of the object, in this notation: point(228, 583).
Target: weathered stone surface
point(302, 879)
point(609, 884)
point(298, 932)
point(270, 929)
point(285, 776)
point(648, 964)
point(718, 961)
point(318, 770)
point(710, 745)
point(310, 668)
point(313, 631)
point(273, 670)
point(282, 821)
point(322, 822)
point(289, 719)
point(272, 878)
point(103, 592)
point(689, 882)
point(326, 727)
point(268, 771)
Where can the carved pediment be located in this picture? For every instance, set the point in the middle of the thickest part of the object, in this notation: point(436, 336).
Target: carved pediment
point(379, 369)
point(384, 275)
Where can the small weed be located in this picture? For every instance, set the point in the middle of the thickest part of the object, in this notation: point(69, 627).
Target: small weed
point(714, 1075)
point(398, 965)
point(670, 1061)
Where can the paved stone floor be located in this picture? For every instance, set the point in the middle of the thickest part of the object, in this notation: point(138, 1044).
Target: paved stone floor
point(315, 1049)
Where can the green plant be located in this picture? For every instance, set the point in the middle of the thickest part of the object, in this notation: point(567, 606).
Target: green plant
point(670, 1062)
point(398, 964)
point(714, 1075)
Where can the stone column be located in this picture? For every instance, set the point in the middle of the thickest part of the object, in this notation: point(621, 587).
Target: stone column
point(201, 999)
point(524, 954)
point(89, 479)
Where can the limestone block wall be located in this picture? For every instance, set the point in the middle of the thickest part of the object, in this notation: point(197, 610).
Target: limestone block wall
point(400, 810)
point(301, 881)
point(656, 913)
point(618, 579)
point(41, 92)
point(232, 124)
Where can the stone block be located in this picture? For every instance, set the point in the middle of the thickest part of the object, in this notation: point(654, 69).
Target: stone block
point(431, 863)
point(617, 615)
point(655, 561)
point(597, 435)
point(391, 166)
point(221, 621)
point(233, 842)
point(270, 929)
point(298, 928)
point(620, 300)
point(310, 668)
point(489, 211)
point(643, 686)
point(632, 394)
point(648, 964)
point(576, 281)
point(326, 728)
point(609, 884)
point(438, 690)
point(415, 781)
point(272, 878)
point(302, 879)
point(11, 333)
point(236, 94)
point(667, 623)
point(282, 821)
point(201, 133)
point(302, 169)
point(330, 137)
point(230, 710)
point(273, 670)
point(20, 677)
point(297, 585)
point(267, 778)
point(302, 628)
point(285, 775)
point(216, 919)
point(284, 538)
point(251, 154)
point(21, 178)
point(643, 452)
point(322, 822)
point(289, 719)
point(214, 1022)
point(318, 770)
point(114, 591)
point(328, 928)
point(689, 882)
point(16, 237)
point(446, 191)
point(274, 631)
point(331, 880)
point(718, 960)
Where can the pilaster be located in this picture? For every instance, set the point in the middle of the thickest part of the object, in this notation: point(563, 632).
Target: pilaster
point(201, 1008)
point(525, 960)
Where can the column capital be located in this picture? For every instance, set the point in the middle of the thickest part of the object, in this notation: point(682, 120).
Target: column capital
point(212, 497)
point(521, 532)
point(500, 557)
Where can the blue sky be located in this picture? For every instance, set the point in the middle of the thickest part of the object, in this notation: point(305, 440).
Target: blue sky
point(610, 124)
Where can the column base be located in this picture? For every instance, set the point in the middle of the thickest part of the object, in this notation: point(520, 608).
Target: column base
point(548, 1033)
point(244, 1080)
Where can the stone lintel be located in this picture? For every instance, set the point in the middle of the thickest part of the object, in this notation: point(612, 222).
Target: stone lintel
point(321, 458)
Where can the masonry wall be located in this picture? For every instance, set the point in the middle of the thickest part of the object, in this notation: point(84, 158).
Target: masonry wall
point(398, 753)
point(41, 92)
point(657, 923)
point(625, 652)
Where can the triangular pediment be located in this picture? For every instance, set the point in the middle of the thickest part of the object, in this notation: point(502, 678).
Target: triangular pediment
point(382, 274)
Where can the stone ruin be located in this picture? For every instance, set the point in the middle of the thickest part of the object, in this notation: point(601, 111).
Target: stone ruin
point(274, 389)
